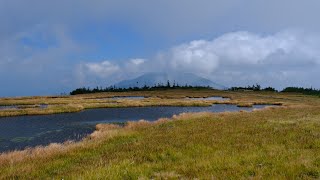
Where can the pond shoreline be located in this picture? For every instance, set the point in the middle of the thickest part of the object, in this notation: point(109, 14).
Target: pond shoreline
point(39, 130)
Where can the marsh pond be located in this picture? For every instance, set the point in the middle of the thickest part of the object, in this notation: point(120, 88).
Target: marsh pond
point(17, 133)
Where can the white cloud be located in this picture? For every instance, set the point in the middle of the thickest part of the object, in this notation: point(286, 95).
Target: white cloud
point(96, 73)
point(137, 61)
point(195, 56)
point(239, 48)
point(107, 72)
point(103, 69)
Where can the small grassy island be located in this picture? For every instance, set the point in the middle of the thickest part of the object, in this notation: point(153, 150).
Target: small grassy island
point(275, 142)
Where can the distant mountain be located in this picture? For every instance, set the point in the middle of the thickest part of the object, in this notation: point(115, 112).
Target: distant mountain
point(151, 79)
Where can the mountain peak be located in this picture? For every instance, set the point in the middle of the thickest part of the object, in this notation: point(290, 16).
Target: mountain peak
point(154, 78)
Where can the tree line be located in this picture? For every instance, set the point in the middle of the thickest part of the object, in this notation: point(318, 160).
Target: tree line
point(257, 87)
point(168, 85)
point(307, 91)
point(159, 86)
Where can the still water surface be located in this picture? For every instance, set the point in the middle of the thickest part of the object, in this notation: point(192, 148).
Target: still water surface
point(19, 132)
point(216, 98)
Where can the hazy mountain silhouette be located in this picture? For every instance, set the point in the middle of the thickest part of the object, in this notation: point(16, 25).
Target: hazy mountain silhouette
point(151, 79)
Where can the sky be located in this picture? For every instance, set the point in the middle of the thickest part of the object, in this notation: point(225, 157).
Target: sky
point(51, 47)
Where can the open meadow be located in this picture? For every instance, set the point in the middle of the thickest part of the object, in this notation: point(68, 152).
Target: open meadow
point(276, 142)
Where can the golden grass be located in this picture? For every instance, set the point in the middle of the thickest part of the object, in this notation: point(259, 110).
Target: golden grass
point(273, 143)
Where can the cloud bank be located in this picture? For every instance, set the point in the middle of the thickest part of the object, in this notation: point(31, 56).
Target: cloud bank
point(237, 58)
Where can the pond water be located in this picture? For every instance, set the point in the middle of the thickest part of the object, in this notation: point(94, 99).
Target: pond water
point(128, 97)
point(8, 107)
point(29, 131)
point(216, 98)
point(120, 97)
point(43, 106)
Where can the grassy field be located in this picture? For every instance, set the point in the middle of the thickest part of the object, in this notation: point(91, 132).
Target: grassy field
point(65, 104)
point(273, 143)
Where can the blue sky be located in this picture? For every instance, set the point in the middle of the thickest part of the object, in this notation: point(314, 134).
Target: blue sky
point(49, 47)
